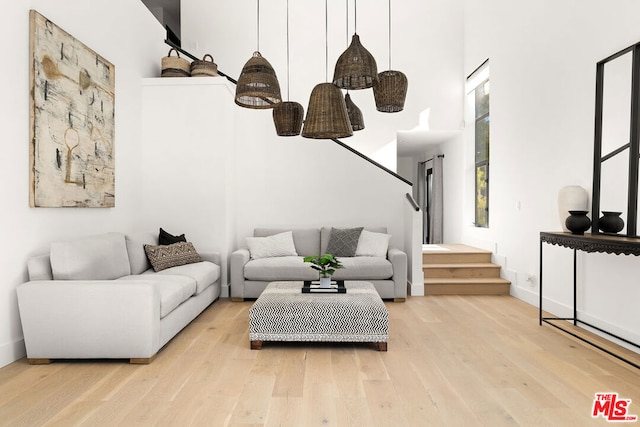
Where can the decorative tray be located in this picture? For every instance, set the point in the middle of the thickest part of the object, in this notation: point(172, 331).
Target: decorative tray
point(313, 287)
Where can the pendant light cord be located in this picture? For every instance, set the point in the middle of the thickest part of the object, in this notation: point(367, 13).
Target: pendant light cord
point(389, 34)
point(258, 21)
point(355, 16)
point(326, 42)
point(288, 74)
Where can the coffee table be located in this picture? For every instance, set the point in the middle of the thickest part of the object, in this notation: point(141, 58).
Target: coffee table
point(284, 313)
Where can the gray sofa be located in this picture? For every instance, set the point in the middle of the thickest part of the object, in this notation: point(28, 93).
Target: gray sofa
point(249, 277)
point(98, 298)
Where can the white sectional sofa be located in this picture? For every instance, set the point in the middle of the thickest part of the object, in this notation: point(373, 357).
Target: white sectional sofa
point(251, 273)
point(99, 297)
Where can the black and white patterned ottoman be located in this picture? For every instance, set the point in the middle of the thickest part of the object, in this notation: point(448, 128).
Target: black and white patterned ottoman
point(284, 313)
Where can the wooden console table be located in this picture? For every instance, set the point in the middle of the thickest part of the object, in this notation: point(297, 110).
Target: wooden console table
point(588, 243)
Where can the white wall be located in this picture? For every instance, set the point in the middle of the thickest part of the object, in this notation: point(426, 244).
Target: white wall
point(125, 33)
point(542, 57)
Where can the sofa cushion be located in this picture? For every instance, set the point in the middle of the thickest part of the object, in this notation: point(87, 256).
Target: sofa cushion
point(173, 289)
point(100, 257)
point(167, 256)
point(165, 238)
point(373, 244)
point(277, 245)
point(280, 268)
point(204, 273)
point(325, 234)
point(306, 240)
point(364, 268)
point(135, 248)
point(343, 241)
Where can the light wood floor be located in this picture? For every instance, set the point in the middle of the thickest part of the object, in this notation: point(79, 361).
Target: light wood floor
point(452, 361)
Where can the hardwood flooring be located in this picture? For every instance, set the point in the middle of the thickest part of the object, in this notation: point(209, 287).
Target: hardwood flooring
point(452, 361)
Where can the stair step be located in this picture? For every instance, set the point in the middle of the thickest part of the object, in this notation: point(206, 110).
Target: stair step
point(441, 254)
point(472, 270)
point(482, 286)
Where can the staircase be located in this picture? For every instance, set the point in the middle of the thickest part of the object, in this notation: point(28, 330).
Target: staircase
point(461, 270)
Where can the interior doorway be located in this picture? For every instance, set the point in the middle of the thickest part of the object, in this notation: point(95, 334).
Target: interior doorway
point(430, 199)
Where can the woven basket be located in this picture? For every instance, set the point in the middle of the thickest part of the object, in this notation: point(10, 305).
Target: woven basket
point(204, 68)
point(174, 66)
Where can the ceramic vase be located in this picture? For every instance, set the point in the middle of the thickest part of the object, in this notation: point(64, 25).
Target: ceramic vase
point(610, 222)
point(571, 198)
point(578, 222)
point(325, 282)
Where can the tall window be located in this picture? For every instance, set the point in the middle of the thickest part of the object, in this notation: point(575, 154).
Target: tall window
point(482, 153)
point(478, 90)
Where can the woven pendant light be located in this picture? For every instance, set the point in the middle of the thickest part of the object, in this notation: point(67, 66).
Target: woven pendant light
point(391, 90)
point(258, 85)
point(356, 68)
point(288, 116)
point(327, 114)
point(355, 115)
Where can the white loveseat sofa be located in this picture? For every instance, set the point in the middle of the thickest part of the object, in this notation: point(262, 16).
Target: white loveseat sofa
point(250, 275)
point(98, 298)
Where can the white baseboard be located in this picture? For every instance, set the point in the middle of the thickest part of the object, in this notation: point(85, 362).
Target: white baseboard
point(416, 290)
point(224, 291)
point(12, 351)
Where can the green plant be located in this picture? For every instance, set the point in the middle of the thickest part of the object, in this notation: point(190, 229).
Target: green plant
point(326, 264)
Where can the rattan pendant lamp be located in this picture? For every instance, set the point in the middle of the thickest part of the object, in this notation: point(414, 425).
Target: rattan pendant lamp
point(288, 115)
point(391, 90)
point(356, 68)
point(258, 85)
point(355, 115)
point(327, 116)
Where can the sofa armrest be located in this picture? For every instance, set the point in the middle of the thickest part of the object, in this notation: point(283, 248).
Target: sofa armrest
point(213, 257)
point(237, 261)
point(398, 260)
point(90, 318)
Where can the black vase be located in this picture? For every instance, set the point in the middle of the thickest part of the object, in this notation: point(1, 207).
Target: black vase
point(610, 222)
point(578, 222)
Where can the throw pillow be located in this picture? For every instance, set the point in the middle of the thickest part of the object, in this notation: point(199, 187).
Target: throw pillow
point(343, 241)
point(162, 257)
point(373, 244)
point(167, 238)
point(280, 244)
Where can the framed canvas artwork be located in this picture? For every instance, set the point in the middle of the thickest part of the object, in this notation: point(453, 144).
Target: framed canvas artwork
point(72, 125)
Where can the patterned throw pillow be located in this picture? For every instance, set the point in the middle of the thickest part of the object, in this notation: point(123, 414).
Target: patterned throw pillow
point(343, 241)
point(165, 238)
point(166, 256)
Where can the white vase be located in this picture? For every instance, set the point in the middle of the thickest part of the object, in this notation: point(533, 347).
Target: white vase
point(325, 282)
point(571, 198)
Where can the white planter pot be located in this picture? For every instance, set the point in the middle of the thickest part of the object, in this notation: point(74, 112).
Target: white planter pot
point(571, 198)
point(325, 282)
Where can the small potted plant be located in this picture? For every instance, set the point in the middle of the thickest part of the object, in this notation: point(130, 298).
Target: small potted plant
point(326, 264)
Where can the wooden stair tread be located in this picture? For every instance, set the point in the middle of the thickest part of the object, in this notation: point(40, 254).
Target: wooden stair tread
point(455, 249)
point(462, 265)
point(476, 280)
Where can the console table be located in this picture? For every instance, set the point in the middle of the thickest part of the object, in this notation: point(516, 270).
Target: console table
point(602, 243)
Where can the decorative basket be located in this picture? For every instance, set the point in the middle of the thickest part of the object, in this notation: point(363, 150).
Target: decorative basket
point(204, 68)
point(174, 66)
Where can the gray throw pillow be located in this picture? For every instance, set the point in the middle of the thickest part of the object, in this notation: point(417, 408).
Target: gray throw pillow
point(343, 241)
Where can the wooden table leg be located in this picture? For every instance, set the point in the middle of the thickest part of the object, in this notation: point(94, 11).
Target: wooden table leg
point(256, 345)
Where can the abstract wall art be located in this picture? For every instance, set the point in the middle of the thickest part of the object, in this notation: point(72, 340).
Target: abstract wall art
point(72, 129)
